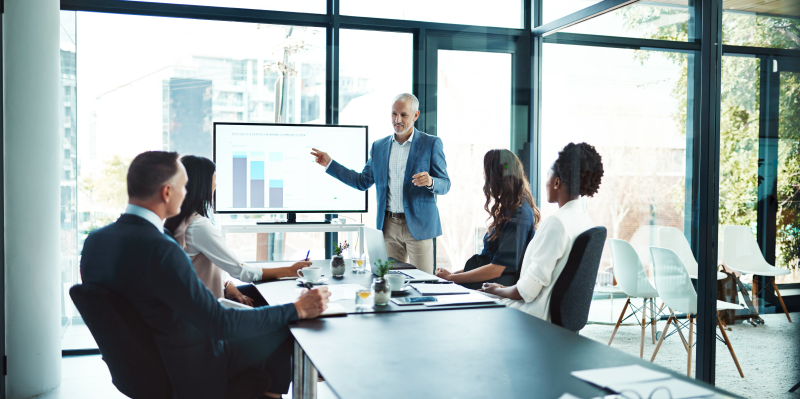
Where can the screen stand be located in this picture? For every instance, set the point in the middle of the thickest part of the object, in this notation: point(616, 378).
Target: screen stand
point(291, 218)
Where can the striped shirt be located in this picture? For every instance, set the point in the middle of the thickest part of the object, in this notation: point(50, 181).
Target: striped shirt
point(398, 158)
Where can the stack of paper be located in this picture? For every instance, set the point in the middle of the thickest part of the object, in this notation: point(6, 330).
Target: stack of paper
point(644, 382)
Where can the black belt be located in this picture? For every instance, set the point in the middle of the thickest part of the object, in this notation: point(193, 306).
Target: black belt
point(395, 215)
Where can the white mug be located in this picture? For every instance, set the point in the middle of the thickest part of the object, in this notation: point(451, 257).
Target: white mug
point(397, 281)
point(311, 274)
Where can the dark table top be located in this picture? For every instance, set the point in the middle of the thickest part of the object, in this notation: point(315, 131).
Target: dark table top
point(476, 353)
point(280, 292)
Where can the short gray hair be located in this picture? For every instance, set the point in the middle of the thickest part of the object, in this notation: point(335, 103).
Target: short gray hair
point(408, 96)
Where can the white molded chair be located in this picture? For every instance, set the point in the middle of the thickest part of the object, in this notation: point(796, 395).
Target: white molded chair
point(631, 278)
point(742, 254)
point(676, 290)
point(674, 240)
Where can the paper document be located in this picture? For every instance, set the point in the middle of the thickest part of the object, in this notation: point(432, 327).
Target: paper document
point(342, 292)
point(671, 388)
point(439, 289)
point(614, 375)
point(568, 396)
point(334, 309)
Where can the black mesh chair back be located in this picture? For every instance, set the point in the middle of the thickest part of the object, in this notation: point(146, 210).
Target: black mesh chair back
point(128, 348)
point(572, 292)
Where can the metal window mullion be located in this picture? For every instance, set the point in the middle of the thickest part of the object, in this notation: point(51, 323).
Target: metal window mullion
point(331, 92)
point(532, 151)
point(582, 15)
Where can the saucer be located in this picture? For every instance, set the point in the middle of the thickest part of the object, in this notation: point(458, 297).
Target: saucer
point(322, 280)
point(404, 290)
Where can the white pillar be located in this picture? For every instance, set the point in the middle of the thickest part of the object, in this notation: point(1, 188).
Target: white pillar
point(33, 275)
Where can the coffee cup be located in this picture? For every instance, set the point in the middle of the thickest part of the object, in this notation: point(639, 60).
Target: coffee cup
point(311, 274)
point(397, 282)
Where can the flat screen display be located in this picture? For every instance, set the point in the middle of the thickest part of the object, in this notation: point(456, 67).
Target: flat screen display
point(268, 168)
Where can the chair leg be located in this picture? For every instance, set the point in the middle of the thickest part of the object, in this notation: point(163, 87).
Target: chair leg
point(783, 305)
point(661, 339)
point(621, 315)
point(653, 319)
point(730, 348)
point(678, 327)
point(644, 328)
point(691, 336)
point(755, 292)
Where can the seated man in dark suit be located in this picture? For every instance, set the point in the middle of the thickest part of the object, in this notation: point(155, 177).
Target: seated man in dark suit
point(202, 344)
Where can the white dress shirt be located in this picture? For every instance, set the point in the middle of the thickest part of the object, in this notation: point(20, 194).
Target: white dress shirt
point(546, 257)
point(146, 214)
point(203, 237)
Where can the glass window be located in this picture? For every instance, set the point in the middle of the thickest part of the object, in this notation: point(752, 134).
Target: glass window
point(787, 253)
point(308, 6)
point(466, 141)
point(555, 9)
point(632, 107)
point(162, 88)
point(501, 13)
point(750, 29)
point(368, 84)
point(651, 20)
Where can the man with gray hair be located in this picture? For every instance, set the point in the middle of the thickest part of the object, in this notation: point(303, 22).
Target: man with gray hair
point(408, 168)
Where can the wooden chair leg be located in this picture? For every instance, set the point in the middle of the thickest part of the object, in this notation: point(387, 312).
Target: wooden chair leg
point(730, 348)
point(678, 327)
point(691, 336)
point(661, 339)
point(644, 328)
point(783, 305)
point(653, 319)
point(621, 316)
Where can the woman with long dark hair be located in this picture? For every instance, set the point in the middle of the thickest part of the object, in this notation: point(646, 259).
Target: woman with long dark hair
point(577, 172)
point(512, 221)
point(202, 241)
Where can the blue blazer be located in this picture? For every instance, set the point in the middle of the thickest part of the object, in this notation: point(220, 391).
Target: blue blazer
point(148, 268)
point(419, 203)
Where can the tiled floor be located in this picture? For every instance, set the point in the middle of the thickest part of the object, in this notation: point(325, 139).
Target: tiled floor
point(77, 337)
point(87, 377)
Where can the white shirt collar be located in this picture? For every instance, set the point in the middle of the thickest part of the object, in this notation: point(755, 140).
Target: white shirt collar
point(576, 204)
point(410, 138)
point(146, 214)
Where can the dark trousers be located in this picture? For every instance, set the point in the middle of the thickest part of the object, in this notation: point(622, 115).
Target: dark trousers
point(477, 261)
point(271, 352)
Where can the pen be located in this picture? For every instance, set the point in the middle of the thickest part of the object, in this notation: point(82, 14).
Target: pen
point(309, 253)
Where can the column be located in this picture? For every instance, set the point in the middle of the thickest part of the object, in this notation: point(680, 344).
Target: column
point(31, 165)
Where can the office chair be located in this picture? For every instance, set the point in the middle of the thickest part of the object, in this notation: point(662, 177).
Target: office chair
point(130, 352)
point(572, 292)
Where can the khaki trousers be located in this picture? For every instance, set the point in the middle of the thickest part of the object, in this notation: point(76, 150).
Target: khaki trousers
point(403, 247)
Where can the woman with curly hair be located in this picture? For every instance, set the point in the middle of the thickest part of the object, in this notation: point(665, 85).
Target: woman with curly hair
point(577, 172)
point(513, 218)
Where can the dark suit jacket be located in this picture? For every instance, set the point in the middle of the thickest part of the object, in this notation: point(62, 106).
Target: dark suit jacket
point(132, 258)
point(419, 203)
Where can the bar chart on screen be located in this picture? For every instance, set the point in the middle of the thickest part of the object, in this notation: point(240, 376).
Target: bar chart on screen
point(269, 168)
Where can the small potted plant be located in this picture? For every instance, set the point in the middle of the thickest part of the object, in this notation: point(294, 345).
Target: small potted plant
point(381, 287)
point(337, 262)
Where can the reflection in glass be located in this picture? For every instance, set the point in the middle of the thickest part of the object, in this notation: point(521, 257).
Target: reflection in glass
point(555, 9)
point(651, 20)
point(473, 117)
point(501, 13)
point(787, 253)
point(374, 67)
point(750, 29)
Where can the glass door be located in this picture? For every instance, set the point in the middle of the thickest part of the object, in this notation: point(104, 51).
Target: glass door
point(469, 105)
point(787, 243)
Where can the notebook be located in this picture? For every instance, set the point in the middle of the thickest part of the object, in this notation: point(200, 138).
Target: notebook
point(439, 289)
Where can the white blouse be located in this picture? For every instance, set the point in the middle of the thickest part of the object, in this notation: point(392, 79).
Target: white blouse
point(203, 237)
point(546, 257)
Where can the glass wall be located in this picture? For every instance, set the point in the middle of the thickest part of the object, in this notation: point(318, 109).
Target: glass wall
point(306, 6)
point(473, 114)
point(501, 13)
point(368, 84)
point(787, 251)
point(750, 29)
point(645, 20)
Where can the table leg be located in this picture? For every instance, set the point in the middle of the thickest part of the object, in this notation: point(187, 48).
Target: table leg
point(309, 379)
point(297, 369)
point(361, 240)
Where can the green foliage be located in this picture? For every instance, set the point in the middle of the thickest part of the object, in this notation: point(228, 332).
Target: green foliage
point(739, 119)
point(110, 188)
point(382, 268)
point(339, 248)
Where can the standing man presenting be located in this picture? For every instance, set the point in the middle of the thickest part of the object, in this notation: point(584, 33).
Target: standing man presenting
point(407, 168)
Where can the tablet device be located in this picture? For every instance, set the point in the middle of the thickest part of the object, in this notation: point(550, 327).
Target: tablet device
point(417, 300)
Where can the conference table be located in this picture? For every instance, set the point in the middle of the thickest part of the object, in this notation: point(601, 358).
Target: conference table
point(448, 352)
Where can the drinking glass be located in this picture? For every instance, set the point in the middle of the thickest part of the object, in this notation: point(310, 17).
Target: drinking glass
point(360, 263)
point(365, 299)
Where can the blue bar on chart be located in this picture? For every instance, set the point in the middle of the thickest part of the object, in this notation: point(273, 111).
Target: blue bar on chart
point(256, 179)
point(276, 180)
point(239, 179)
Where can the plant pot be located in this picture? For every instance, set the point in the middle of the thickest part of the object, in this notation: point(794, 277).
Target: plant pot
point(382, 290)
point(337, 266)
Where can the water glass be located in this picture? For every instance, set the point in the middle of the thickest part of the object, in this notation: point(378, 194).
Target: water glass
point(365, 299)
point(360, 263)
